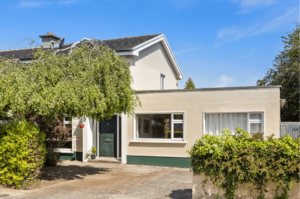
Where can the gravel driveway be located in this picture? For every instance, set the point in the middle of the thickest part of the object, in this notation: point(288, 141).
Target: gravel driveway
point(73, 179)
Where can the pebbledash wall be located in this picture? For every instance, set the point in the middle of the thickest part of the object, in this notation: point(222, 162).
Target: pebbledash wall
point(194, 103)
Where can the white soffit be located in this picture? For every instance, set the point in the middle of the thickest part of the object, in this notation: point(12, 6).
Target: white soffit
point(160, 38)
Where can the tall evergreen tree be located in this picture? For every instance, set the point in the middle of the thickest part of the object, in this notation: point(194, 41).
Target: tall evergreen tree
point(285, 72)
point(189, 84)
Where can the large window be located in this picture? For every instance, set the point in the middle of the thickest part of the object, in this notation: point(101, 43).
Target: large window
point(214, 123)
point(168, 126)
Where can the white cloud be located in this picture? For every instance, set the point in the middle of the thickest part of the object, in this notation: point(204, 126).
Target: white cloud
point(35, 4)
point(254, 3)
point(224, 81)
point(248, 55)
point(249, 5)
point(185, 50)
point(231, 34)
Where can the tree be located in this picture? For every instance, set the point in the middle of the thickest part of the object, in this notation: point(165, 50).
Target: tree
point(91, 81)
point(87, 79)
point(189, 84)
point(285, 72)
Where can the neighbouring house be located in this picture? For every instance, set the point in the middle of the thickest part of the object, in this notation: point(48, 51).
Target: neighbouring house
point(170, 120)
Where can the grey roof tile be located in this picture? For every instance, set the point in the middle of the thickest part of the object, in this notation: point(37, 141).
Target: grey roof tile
point(119, 45)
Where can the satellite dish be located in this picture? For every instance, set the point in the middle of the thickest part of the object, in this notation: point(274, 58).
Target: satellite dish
point(62, 41)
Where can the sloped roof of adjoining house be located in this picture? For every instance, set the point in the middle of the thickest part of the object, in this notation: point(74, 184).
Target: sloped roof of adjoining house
point(119, 45)
point(22, 53)
point(123, 46)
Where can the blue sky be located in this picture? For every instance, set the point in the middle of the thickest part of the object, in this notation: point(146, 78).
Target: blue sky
point(216, 42)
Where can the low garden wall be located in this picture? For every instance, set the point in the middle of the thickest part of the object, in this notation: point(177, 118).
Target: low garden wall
point(208, 190)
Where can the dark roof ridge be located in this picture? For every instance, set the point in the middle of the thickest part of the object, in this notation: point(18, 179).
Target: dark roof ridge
point(29, 48)
point(131, 37)
point(19, 49)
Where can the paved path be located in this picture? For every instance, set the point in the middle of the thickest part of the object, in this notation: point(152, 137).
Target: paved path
point(115, 181)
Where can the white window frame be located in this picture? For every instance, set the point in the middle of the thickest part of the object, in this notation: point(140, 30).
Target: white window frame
point(248, 119)
point(162, 81)
point(255, 121)
point(156, 140)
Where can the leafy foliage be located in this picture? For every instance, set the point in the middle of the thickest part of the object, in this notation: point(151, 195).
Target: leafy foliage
point(286, 72)
point(22, 153)
point(91, 81)
point(57, 134)
point(189, 84)
point(94, 150)
point(247, 159)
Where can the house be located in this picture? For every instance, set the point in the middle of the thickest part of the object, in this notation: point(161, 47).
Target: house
point(170, 120)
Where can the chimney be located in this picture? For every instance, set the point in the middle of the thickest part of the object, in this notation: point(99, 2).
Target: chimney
point(50, 40)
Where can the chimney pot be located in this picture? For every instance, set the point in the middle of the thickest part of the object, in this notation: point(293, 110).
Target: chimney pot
point(49, 33)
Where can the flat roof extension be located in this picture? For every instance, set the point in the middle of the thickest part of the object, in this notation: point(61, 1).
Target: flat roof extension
point(207, 89)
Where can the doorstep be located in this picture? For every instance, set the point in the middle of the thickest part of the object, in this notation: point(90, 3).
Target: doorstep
point(104, 159)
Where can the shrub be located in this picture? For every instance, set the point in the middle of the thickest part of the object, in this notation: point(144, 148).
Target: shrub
point(247, 159)
point(22, 153)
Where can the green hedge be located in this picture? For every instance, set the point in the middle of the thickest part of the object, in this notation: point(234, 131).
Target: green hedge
point(22, 153)
point(247, 159)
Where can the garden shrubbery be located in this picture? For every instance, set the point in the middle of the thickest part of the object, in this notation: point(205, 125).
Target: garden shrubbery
point(247, 159)
point(22, 153)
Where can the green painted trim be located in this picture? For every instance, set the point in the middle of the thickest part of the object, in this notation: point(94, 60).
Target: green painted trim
point(159, 161)
point(71, 156)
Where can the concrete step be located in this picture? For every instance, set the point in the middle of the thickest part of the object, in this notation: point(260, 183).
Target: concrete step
point(102, 159)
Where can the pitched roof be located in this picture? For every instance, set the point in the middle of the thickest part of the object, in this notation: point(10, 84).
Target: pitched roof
point(119, 45)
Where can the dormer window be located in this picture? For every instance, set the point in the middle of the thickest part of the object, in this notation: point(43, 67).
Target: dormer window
point(162, 82)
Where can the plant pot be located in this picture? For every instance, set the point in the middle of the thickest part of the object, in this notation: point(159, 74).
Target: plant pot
point(52, 162)
point(93, 157)
point(81, 126)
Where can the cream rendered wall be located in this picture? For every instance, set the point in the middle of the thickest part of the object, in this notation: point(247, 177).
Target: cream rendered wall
point(194, 104)
point(148, 66)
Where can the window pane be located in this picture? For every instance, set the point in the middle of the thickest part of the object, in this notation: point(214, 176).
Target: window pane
point(178, 117)
point(255, 127)
point(153, 126)
point(255, 116)
point(216, 122)
point(178, 130)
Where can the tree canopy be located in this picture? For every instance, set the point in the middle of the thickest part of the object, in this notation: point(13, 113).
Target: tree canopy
point(91, 80)
point(285, 72)
point(189, 84)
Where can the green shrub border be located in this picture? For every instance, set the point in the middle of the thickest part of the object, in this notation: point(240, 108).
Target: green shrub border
point(247, 159)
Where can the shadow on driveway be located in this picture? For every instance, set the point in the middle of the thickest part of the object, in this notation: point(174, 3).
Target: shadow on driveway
point(69, 172)
point(181, 194)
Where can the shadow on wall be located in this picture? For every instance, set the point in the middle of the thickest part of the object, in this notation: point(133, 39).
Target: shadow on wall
point(71, 172)
point(181, 194)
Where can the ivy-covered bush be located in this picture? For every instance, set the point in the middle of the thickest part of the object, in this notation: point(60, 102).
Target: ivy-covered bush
point(247, 159)
point(22, 153)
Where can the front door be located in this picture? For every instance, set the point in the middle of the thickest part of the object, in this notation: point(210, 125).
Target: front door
point(108, 137)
